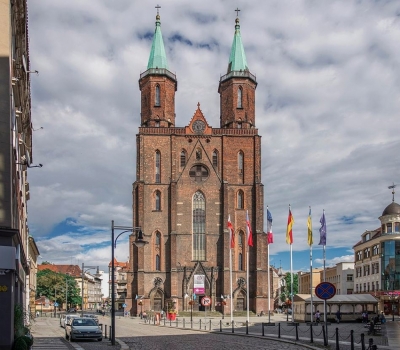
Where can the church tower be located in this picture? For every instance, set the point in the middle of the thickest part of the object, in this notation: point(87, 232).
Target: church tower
point(157, 85)
point(189, 179)
point(237, 88)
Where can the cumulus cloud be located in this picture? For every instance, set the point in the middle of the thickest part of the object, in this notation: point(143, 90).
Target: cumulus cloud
point(327, 105)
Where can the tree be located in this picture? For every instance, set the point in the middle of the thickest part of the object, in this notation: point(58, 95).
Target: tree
point(53, 284)
point(287, 291)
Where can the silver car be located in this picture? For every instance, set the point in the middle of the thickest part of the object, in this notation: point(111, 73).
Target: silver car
point(64, 320)
point(83, 328)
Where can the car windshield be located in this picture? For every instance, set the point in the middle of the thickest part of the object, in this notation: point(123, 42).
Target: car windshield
point(83, 322)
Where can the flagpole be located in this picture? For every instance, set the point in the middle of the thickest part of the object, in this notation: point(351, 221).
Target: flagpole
point(269, 286)
point(311, 286)
point(230, 280)
point(291, 279)
point(324, 250)
point(248, 285)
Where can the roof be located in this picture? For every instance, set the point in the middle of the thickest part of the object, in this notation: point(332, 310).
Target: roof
point(119, 264)
point(237, 58)
point(73, 270)
point(158, 58)
point(374, 233)
point(392, 209)
point(339, 298)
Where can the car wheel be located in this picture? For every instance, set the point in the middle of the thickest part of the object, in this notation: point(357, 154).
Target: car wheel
point(100, 339)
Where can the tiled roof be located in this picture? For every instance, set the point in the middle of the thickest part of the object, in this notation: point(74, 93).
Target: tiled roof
point(73, 270)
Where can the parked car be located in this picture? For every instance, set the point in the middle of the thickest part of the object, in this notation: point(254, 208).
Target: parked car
point(93, 316)
point(72, 310)
point(83, 328)
point(65, 318)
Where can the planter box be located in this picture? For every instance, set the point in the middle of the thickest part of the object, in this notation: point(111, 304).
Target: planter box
point(171, 316)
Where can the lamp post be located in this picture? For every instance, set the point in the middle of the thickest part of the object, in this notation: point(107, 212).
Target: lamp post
point(83, 277)
point(139, 242)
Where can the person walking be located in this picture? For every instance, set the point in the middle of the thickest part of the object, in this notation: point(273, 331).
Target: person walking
point(338, 316)
point(317, 316)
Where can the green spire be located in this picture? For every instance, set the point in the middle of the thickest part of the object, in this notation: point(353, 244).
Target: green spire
point(237, 59)
point(158, 58)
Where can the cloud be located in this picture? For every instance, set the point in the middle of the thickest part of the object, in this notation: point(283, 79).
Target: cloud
point(327, 105)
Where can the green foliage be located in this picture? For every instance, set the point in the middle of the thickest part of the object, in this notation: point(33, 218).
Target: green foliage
point(28, 340)
point(53, 284)
point(20, 343)
point(287, 291)
point(19, 321)
point(46, 263)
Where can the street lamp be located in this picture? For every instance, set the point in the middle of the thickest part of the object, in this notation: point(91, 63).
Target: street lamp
point(139, 242)
point(83, 277)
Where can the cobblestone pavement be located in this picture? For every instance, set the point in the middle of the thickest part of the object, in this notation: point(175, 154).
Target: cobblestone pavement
point(136, 334)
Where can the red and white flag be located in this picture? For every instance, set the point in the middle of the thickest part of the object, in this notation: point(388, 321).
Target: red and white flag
point(249, 232)
point(231, 232)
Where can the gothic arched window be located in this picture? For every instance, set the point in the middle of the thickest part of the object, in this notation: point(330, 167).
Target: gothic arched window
point(158, 263)
point(239, 97)
point(183, 158)
point(215, 158)
point(157, 101)
point(240, 162)
point(240, 262)
point(199, 226)
point(157, 200)
point(240, 199)
point(158, 167)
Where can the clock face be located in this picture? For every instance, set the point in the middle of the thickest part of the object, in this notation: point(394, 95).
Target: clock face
point(198, 126)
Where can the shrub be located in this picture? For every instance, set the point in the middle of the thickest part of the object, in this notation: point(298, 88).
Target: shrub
point(20, 343)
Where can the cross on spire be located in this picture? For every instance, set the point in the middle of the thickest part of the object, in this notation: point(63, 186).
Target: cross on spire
point(158, 7)
point(392, 188)
point(237, 12)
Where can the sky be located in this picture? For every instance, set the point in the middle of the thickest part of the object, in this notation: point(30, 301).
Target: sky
point(327, 108)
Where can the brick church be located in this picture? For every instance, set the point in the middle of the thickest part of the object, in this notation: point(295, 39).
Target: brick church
point(189, 179)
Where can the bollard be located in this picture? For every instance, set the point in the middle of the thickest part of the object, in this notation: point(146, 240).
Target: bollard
point(351, 340)
point(105, 332)
point(337, 338)
point(200, 324)
point(297, 331)
point(279, 330)
point(362, 342)
point(311, 334)
point(247, 327)
point(220, 325)
point(183, 323)
point(191, 324)
point(233, 326)
point(177, 323)
point(110, 332)
point(164, 321)
point(209, 328)
point(262, 325)
point(170, 322)
point(324, 335)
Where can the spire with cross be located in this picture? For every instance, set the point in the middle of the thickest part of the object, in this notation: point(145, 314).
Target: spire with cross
point(392, 187)
point(237, 12)
point(158, 7)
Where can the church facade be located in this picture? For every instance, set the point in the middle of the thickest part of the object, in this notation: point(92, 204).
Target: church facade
point(189, 179)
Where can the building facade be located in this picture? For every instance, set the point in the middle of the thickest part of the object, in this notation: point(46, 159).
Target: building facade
point(341, 276)
point(377, 263)
point(16, 157)
point(304, 280)
point(120, 279)
point(188, 181)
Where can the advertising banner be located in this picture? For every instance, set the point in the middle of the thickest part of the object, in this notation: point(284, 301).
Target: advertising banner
point(199, 284)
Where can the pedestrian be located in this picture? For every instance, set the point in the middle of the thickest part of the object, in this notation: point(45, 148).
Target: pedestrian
point(162, 314)
point(364, 317)
point(371, 327)
point(338, 316)
point(382, 318)
point(37, 313)
point(317, 316)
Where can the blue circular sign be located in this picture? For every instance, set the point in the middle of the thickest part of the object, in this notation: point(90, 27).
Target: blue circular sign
point(55, 304)
point(325, 290)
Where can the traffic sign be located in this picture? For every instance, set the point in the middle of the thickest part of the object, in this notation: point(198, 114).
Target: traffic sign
point(123, 305)
point(206, 301)
point(325, 290)
point(55, 304)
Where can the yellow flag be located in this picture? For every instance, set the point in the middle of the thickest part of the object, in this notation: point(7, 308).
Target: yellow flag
point(309, 226)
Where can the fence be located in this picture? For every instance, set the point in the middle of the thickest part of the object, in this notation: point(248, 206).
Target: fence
point(307, 333)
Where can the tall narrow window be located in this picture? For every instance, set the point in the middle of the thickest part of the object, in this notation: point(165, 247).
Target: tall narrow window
point(157, 201)
point(240, 262)
point(389, 228)
point(157, 103)
point(158, 167)
point(158, 263)
point(183, 159)
point(240, 200)
point(158, 238)
point(239, 97)
point(199, 226)
point(215, 158)
point(240, 162)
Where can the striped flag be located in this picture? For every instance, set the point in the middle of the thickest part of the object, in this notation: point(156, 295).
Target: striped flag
point(231, 232)
point(289, 233)
point(270, 236)
point(322, 230)
point(309, 229)
point(249, 232)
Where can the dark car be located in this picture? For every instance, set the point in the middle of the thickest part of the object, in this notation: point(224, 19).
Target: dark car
point(83, 328)
point(71, 310)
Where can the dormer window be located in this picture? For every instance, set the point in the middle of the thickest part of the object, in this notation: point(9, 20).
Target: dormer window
point(389, 228)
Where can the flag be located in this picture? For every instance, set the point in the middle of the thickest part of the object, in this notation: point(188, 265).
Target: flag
point(309, 226)
point(289, 234)
point(231, 232)
point(270, 236)
point(322, 230)
point(249, 233)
